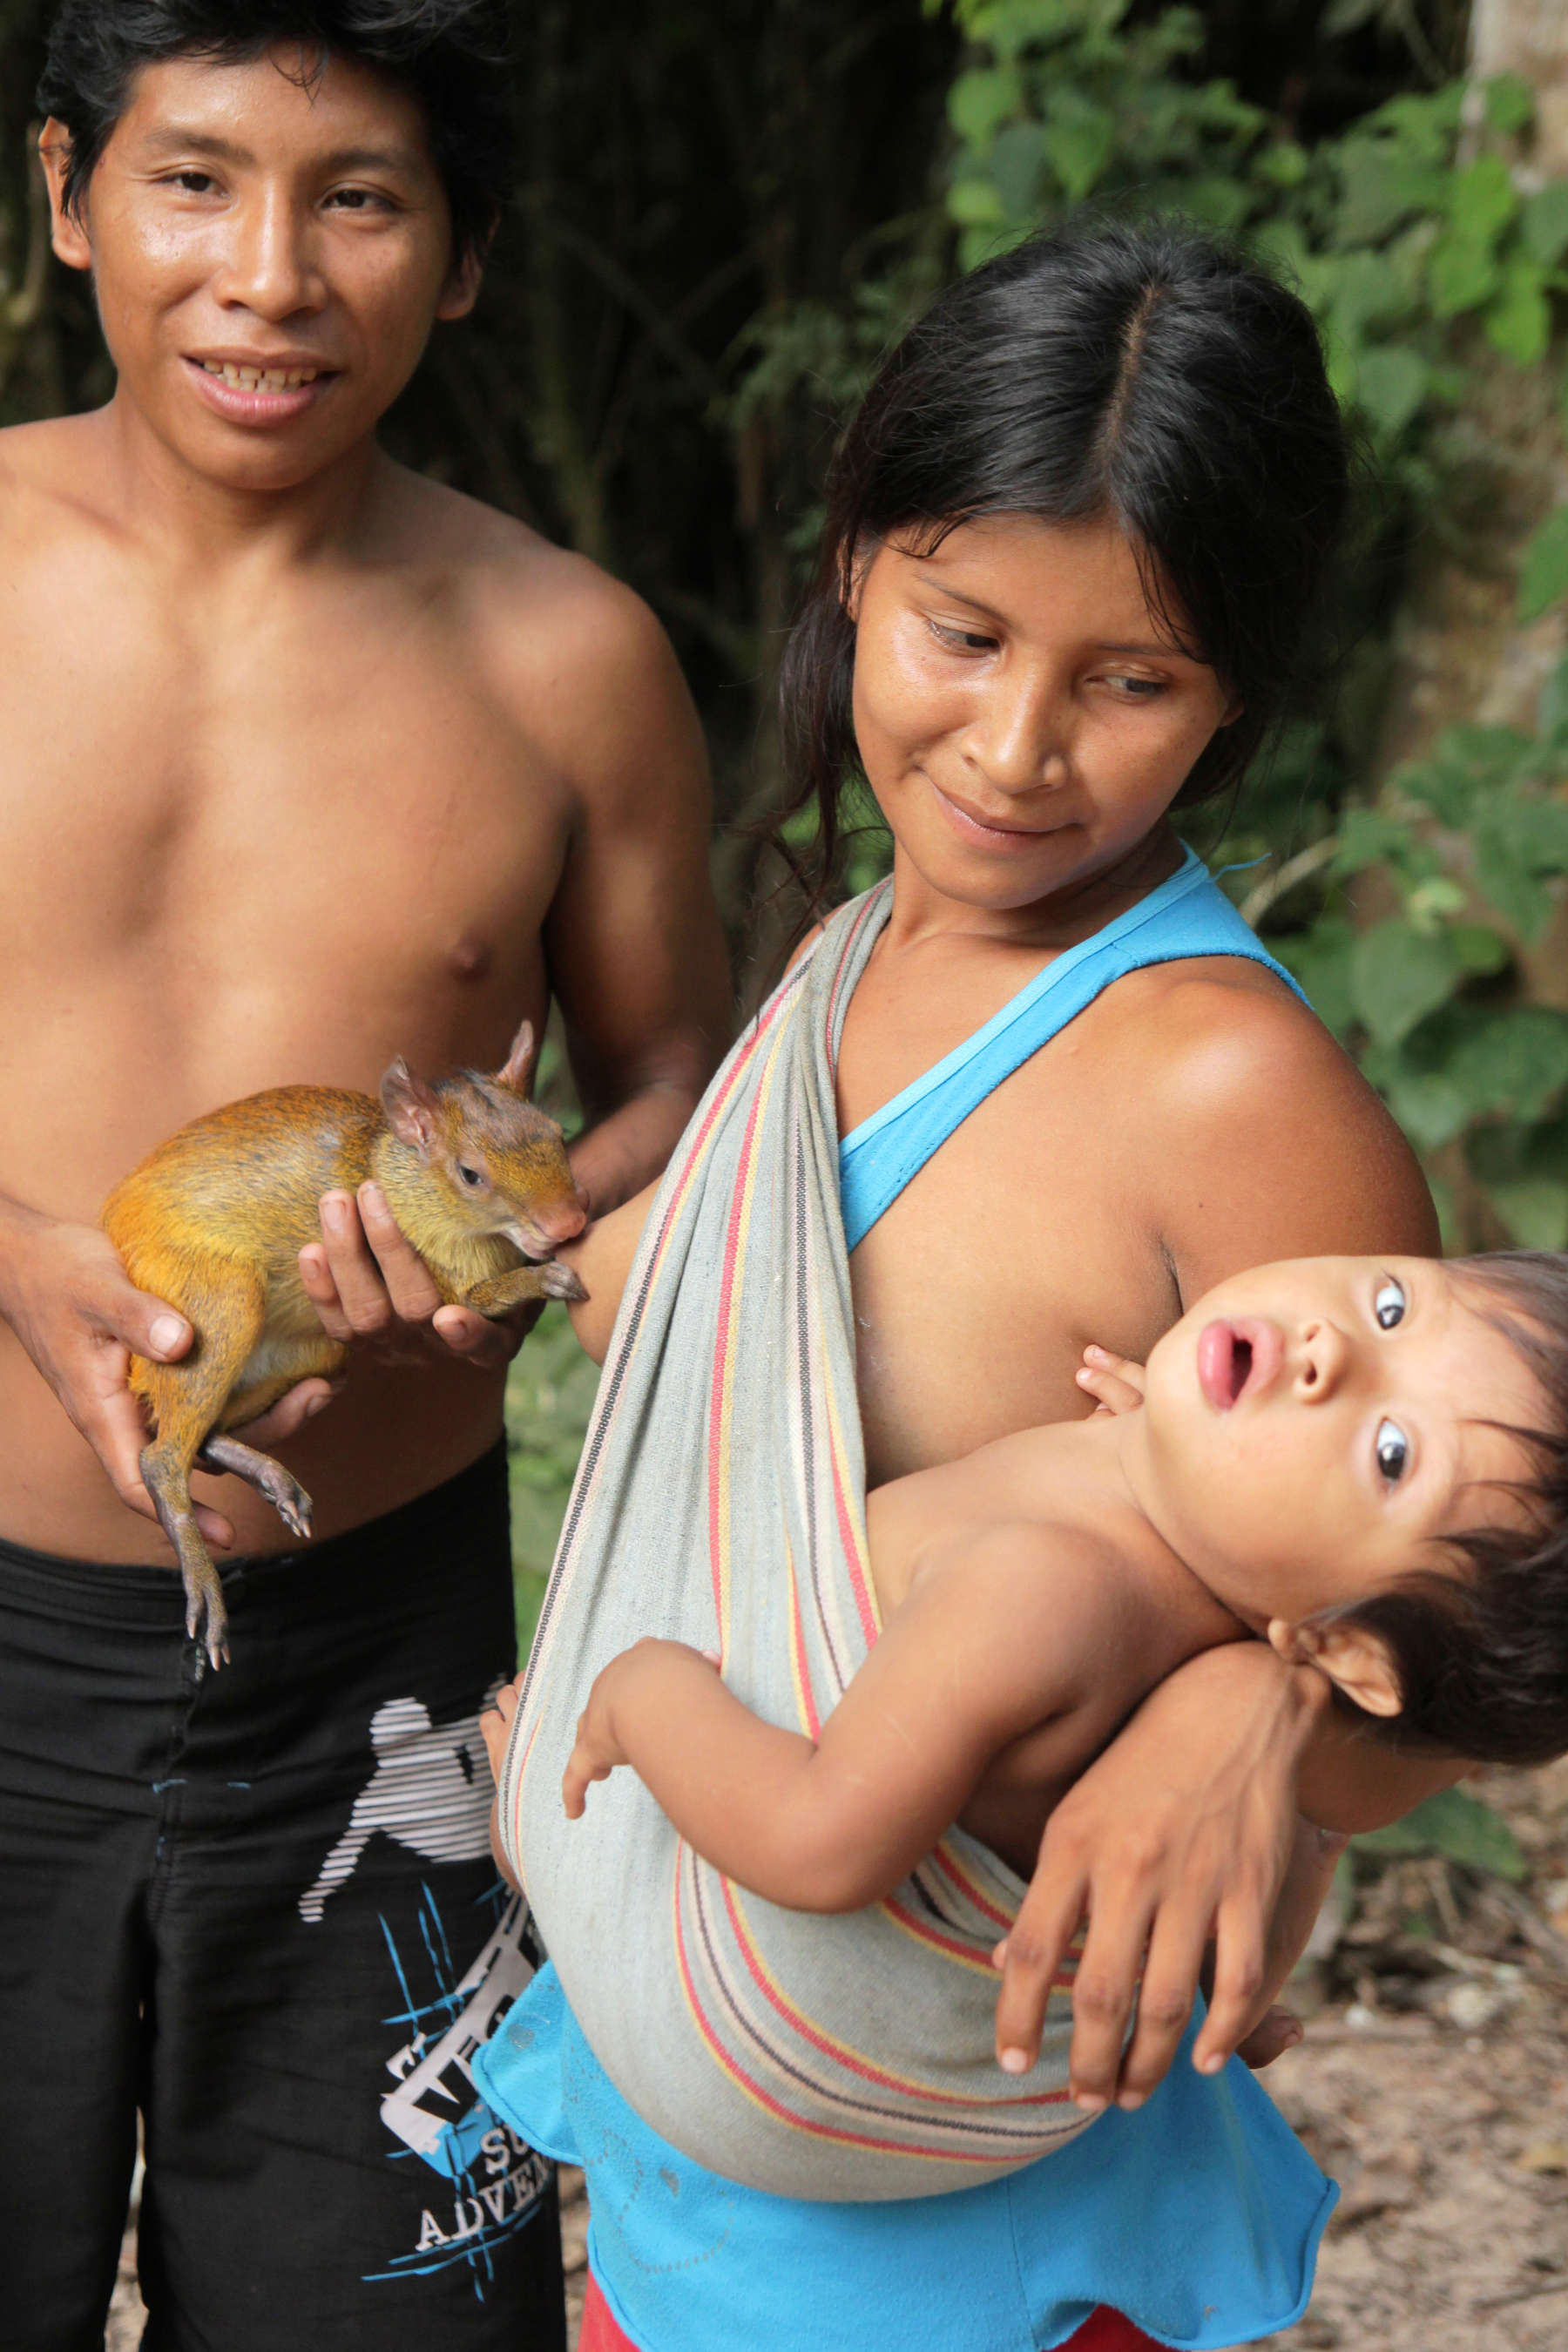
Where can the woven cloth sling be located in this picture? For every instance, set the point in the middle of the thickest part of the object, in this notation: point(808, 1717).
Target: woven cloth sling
point(719, 1501)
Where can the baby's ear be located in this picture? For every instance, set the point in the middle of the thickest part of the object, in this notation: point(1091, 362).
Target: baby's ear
point(1355, 1661)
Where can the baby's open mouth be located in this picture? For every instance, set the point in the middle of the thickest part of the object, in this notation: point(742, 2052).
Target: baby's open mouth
point(1235, 1357)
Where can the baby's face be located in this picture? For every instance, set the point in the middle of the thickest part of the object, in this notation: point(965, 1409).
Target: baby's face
point(1311, 1429)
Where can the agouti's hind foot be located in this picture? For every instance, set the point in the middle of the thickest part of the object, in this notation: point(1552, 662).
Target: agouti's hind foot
point(206, 1618)
point(558, 1281)
point(282, 1488)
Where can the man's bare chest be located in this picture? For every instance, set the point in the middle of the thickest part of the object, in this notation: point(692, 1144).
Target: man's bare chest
point(286, 801)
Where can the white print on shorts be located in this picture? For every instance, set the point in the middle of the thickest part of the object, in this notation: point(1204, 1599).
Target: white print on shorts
point(494, 2182)
point(431, 1790)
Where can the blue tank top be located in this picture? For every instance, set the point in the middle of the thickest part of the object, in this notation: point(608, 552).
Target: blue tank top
point(1187, 916)
point(1197, 2217)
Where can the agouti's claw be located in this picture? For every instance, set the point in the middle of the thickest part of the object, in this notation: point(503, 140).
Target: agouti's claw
point(558, 1281)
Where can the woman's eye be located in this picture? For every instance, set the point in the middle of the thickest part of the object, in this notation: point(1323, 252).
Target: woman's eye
point(469, 1175)
point(1393, 1451)
point(1388, 1304)
point(969, 641)
point(192, 183)
point(1139, 689)
point(356, 200)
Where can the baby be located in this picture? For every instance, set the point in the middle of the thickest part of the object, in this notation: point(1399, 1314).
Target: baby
point(1365, 1462)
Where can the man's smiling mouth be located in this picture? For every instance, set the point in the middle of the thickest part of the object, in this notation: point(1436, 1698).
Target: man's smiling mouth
point(258, 379)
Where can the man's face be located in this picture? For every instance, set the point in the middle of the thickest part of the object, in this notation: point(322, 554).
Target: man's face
point(269, 249)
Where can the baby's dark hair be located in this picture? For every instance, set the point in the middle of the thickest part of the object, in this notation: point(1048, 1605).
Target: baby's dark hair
point(1481, 1651)
point(449, 53)
point(1151, 375)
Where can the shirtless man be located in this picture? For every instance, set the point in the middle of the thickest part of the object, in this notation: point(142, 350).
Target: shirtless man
point(307, 762)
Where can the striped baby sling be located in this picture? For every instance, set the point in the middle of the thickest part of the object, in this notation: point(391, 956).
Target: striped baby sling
point(719, 1501)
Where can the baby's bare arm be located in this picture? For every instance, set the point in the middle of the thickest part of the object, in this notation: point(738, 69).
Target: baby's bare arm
point(1003, 1634)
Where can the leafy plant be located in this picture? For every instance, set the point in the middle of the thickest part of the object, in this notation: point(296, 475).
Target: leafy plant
point(549, 1399)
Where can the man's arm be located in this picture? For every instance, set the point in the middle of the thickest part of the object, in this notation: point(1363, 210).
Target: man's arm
point(1000, 1636)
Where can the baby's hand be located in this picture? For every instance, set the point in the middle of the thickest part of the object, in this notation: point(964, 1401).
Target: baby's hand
point(599, 1747)
point(1114, 1379)
point(597, 1751)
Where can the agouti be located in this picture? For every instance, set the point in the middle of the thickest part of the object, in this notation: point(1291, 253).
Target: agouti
point(214, 1222)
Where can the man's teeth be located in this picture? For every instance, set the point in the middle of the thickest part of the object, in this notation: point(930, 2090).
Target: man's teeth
point(249, 379)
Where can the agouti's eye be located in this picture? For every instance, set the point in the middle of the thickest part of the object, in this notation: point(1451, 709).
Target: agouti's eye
point(469, 1175)
point(1388, 1304)
point(1393, 1451)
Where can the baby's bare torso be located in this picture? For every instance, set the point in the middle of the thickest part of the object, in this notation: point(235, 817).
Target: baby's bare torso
point(1052, 1482)
point(267, 826)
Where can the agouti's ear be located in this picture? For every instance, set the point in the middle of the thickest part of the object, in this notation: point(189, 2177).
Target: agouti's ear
point(410, 1107)
point(519, 1062)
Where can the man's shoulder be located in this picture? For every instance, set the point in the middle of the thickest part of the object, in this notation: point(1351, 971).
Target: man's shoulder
point(527, 597)
point(574, 655)
point(46, 475)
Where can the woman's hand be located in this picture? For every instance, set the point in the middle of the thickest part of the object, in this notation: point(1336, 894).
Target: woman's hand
point(1115, 1381)
point(1182, 1833)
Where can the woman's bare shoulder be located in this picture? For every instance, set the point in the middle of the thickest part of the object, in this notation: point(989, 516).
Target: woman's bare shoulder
point(1264, 1140)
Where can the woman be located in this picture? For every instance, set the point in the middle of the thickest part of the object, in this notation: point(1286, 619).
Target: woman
point(1075, 537)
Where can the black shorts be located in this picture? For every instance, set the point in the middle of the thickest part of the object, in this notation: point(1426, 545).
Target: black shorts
point(259, 1906)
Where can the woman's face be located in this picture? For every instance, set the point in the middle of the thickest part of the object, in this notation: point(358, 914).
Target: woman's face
point(1023, 719)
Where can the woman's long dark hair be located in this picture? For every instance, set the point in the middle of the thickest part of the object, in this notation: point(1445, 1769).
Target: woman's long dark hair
point(1151, 375)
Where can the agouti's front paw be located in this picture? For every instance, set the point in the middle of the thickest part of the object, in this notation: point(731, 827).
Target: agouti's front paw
point(558, 1281)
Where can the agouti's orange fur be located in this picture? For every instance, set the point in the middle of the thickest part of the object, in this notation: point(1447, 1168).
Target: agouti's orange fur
point(214, 1220)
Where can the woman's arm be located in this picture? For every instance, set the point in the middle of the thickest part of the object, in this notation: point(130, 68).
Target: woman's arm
point(600, 1257)
point(1270, 1146)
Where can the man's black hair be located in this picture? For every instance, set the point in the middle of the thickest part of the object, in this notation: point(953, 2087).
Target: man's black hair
point(1480, 1651)
point(449, 53)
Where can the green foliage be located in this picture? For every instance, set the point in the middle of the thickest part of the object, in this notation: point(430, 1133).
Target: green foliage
point(1470, 842)
point(1391, 233)
point(549, 1398)
point(1459, 1827)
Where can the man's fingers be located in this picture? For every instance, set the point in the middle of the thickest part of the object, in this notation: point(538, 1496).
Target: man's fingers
point(410, 1285)
point(475, 1338)
point(147, 1325)
point(303, 1401)
point(356, 1276)
point(316, 1275)
point(1165, 1995)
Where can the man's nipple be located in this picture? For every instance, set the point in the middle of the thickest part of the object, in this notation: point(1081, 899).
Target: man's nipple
point(471, 958)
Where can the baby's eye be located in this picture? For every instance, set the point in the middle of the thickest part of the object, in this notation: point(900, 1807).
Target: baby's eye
point(1393, 1451)
point(1388, 1303)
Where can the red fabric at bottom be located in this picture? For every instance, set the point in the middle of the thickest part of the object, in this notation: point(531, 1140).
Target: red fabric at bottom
point(1103, 2331)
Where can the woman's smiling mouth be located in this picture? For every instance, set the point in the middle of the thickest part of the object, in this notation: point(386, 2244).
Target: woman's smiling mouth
point(976, 828)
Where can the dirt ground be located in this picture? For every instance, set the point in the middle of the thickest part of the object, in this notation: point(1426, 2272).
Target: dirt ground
point(1433, 2085)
